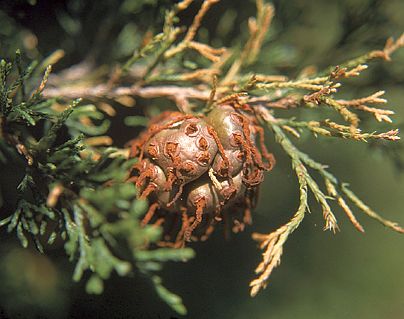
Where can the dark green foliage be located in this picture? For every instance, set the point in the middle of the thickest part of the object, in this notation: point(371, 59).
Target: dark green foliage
point(95, 212)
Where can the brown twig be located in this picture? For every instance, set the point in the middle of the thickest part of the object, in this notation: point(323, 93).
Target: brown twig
point(102, 90)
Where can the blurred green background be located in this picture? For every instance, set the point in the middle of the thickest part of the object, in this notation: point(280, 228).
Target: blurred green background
point(347, 275)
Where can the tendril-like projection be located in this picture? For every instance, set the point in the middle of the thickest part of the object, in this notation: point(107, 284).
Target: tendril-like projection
point(197, 171)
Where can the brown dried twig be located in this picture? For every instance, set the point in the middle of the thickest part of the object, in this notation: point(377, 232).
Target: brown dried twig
point(258, 28)
point(360, 104)
point(191, 33)
point(272, 243)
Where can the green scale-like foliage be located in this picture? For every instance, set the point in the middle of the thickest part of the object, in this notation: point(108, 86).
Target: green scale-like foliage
point(96, 215)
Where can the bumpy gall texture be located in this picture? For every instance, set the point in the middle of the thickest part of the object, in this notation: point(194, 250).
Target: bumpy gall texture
point(198, 171)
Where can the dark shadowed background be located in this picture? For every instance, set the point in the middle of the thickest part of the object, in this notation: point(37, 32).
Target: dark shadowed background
point(322, 275)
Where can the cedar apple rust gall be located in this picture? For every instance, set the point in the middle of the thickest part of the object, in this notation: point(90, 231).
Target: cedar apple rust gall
point(200, 170)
